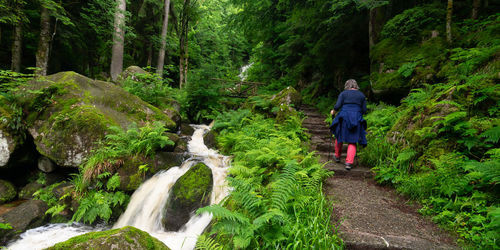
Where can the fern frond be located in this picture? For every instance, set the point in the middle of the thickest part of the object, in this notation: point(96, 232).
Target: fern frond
point(207, 243)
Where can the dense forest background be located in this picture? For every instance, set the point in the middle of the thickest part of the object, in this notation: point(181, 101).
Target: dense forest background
point(430, 69)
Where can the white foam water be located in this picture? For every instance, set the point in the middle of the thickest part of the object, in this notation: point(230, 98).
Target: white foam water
point(147, 204)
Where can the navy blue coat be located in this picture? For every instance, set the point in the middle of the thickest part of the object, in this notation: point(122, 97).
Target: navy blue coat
point(349, 125)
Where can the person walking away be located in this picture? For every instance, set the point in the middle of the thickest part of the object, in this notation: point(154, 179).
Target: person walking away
point(349, 125)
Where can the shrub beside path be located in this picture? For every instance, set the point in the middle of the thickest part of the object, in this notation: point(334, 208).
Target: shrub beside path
point(369, 216)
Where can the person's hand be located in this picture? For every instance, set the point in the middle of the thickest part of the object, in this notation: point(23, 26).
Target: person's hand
point(332, 112)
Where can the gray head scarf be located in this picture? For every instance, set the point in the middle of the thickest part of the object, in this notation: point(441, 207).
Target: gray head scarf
point(351, 84)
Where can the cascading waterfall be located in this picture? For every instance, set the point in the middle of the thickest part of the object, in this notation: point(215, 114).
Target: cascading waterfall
point(145, 208)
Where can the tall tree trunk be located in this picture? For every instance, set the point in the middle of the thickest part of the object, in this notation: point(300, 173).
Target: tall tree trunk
point(42, 52)
point(118, 40)
point(150, 54)
point(183, 57)
point(475, 8)
point(449, 13)
point(17, 47)
point(371, 27)
point(164, 28)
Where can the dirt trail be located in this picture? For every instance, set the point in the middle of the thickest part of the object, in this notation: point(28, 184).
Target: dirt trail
point(367, 215)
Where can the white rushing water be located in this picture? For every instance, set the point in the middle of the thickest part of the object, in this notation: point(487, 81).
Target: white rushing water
point(244, 74)
point(145, 208)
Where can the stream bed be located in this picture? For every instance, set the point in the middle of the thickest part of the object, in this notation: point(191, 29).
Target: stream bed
point(146, 205)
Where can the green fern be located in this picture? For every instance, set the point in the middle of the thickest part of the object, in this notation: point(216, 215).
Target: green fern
point(207, 243)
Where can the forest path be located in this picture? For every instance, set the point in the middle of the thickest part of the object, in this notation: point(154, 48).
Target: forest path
point(367, 215)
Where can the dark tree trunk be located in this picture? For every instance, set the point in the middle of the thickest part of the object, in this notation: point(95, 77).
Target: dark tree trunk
point(164, 28)
point(150, 54)
point(17, 47)
point(475, 8)
point(449, 13)
point(118, 40)
point(183, 61)
point(42, 52)
point(371, 27)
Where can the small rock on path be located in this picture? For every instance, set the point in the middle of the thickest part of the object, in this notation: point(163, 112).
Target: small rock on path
point(367, 215)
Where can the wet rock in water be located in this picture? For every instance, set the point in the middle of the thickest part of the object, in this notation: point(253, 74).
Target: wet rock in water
point(181, 146)
point(189, 193)
point(28, 215)
point(166, 160)
point(28, 190)
point(209, 139)
point(120, 238)
point(7, 191)
point(69, 113)
point(186, 129)
point(46, 165)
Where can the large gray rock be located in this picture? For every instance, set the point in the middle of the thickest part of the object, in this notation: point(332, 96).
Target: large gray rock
point(189, 193)
point(71, 113)
point(130, 72)
point(7, 191)
point(46, 165)
point(7, 145)
point(28, 215)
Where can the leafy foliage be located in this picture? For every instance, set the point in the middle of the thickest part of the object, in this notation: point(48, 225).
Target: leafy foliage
point(411, 22)
point(276, 199)
point(118, 144)
point(151, 89)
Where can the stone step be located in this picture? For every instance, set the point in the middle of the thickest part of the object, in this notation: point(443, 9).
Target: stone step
point(356, 171)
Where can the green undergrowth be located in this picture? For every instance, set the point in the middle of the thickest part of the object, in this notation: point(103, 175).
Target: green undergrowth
point(152, 89)
point(276, 200)
point(424, 56)
point(441, 147)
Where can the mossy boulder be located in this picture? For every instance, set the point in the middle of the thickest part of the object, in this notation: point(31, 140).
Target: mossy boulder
point(394, 74)
point(120, 238)
point(69, 113)
point(130, 72)
point(28, 190)
point(7, 191)
point(288, 96)
point(285, 102)
point(189, 193)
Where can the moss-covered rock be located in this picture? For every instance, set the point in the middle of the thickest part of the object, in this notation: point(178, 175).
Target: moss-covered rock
point(130, 72)
point(28, 190)
point(7, 191)
point(120, 238)
point(69, 113)
point(189, 193)
point(288, 96)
